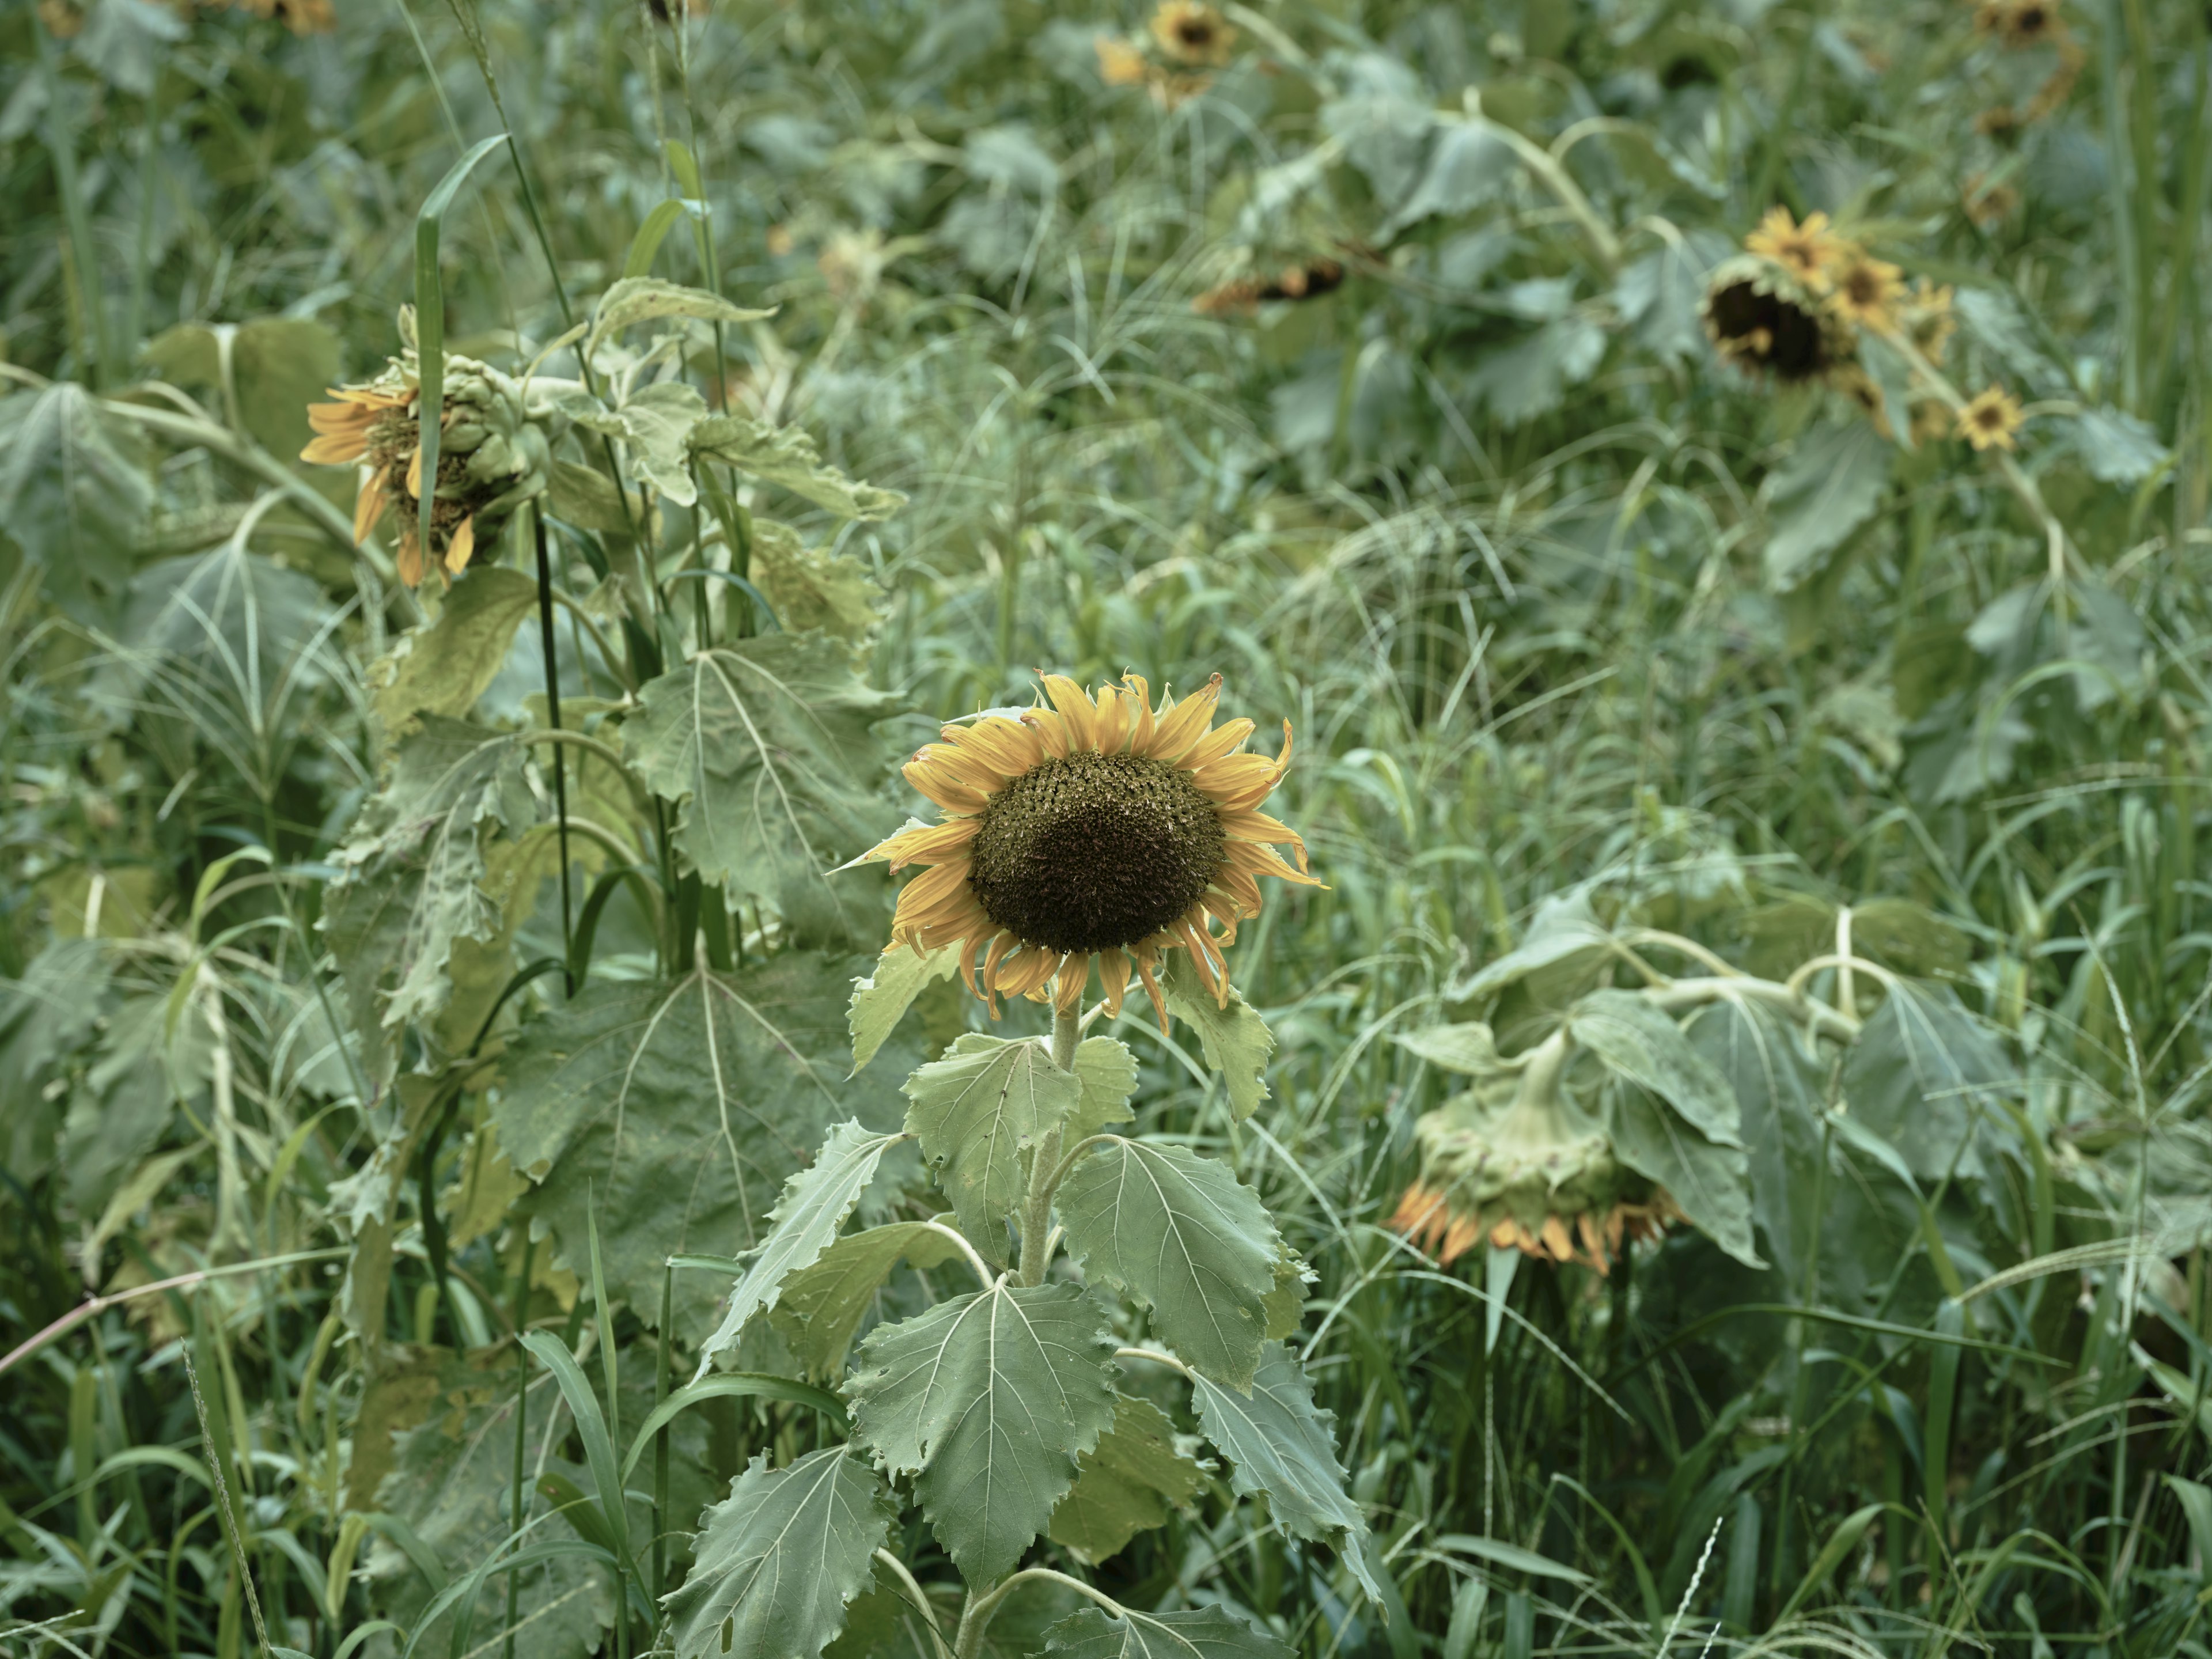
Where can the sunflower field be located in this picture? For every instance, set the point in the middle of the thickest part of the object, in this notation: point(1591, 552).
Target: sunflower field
point(971, 829)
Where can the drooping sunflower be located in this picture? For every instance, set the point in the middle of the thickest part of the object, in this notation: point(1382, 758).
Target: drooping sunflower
point(1525, 1169)
point(1102, 829)
point(2020, 24)
point(1761, 318)
point(1991, 418)
point(1190, 33)
point(493, 455)
point(1866, 291)
point(1809, 252)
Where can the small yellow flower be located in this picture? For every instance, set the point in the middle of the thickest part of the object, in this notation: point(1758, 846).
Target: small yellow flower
point(1990, 420)
point(1866, 291)
point(1928, 320)
point(1191, 33)
point(2020, 24)
point(1807, 251)
point(1119, 64)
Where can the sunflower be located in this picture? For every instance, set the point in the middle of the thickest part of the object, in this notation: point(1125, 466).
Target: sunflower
point(1761, 318)
point(1119, 64)
point(300, 16)
point(1513, 1161)
point(2020, 24)
point(375, 426)
point(1929, 321)
point(1991, 418)
point(1866, 291)
point(1100, 828)
point(1807, 252)
point(1193, 33)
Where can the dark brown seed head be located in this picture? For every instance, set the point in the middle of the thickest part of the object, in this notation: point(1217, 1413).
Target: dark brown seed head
point(1094, 851)
point(1768, 331)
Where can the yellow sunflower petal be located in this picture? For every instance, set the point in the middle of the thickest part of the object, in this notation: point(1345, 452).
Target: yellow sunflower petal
point(1183, 724)
point(460, 545)
point(922, 843)
point(1075, 708)
point(1114, 978)
point(368, 505)
point(336, 448)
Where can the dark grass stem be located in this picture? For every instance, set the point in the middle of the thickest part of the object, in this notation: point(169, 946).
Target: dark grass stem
point(521, 1430)
point(553, 721)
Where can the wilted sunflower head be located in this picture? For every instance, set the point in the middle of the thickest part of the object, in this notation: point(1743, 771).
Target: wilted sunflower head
point(1866, 291)
point(1761, 318)
point(1807, 252)
point(1532, 1176)
point(492, 456)
point(2021, 23)
point(1991, 418)
point(1193, 33)
point(300, 16)
point(1100, 828)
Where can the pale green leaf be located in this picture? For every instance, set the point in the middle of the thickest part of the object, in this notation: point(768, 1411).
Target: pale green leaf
point(1470, 1048)
point(1280, 1443)
point(679, 1109)
point(776, 1561)
point(636, 299)
point(1643, 1044)
point(768, 745)
point(1127, 1485)
point(812, 588)
point(1108, 1072)
point(1181, 1232)
point(976, 1111)
point(69, 497)
point(442, 668)
point(1286, 1302)
point(1829, 485)
point(655, 421)
point(786, 458)
point(1234, 1039)
point(823, 1306)
point(1711, 1182)
point(411, 869)
point(815, 1201)
point(587, 498)
point(1564, 948)
point(988, 1400)
point(881, 1000)
point(1203, 1633)
point(1921, 1074)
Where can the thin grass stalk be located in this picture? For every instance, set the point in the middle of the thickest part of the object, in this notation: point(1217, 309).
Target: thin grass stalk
point(521, 1431)
point(553, 720)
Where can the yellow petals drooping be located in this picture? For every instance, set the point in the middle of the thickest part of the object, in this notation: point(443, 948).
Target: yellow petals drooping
point(1103, 829)
point(1809, 251)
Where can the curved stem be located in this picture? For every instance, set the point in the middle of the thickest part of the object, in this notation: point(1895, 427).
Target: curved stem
point(913, 1594)
point(1157, 1357)
point(978, 1615)
point(984, 1276)
point(608, 654)
point(1790, 998)
point(606, 752)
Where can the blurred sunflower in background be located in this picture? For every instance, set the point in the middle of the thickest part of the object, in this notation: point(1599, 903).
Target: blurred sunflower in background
point(1807, 252)
point(1990, 419)
point(1193, 34)
point(1103, 829)
point(1866, 290)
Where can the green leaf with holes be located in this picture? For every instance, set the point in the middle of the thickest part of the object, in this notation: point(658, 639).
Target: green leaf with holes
point(1205, 1633)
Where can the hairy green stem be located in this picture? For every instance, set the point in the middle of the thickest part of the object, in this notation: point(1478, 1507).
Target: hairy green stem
point(1044, 1161)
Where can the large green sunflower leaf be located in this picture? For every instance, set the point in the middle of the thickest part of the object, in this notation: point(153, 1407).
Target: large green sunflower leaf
point(412, 868)
point(635, 299)
point(69, 496)
point(823, 1306)
point(1183, 1233)
point(1128, 1482)
point(679, 1109)
point(1205, 1633)
point(786, 458)
point(1644, 1044)
point(1710, 1181)
point(976, 1111)
point(1280, 1443)
point(1921, 1074)
point(1108, 1072)
point(443, 668)
point(1830, 486)
point(987, 1400)
point(1235, 1040)
point(769, 747)
point(815, 1203)
point(777, 1561)
point(881, 1000)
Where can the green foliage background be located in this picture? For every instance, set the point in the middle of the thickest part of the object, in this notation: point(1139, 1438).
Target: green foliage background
point(1585, 636)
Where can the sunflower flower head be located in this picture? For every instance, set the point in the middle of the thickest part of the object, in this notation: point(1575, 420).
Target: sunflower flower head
point(1192, 34)
point(2022, 24)
point(1990, 419)
point(1512, 1163)
point(494, 453)
point(1809, 252)
point(1103, 829)
point(1765, 320)
point(1866, 291)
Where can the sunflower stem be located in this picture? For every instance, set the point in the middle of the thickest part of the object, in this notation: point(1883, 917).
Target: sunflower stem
point(1044, 1161)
